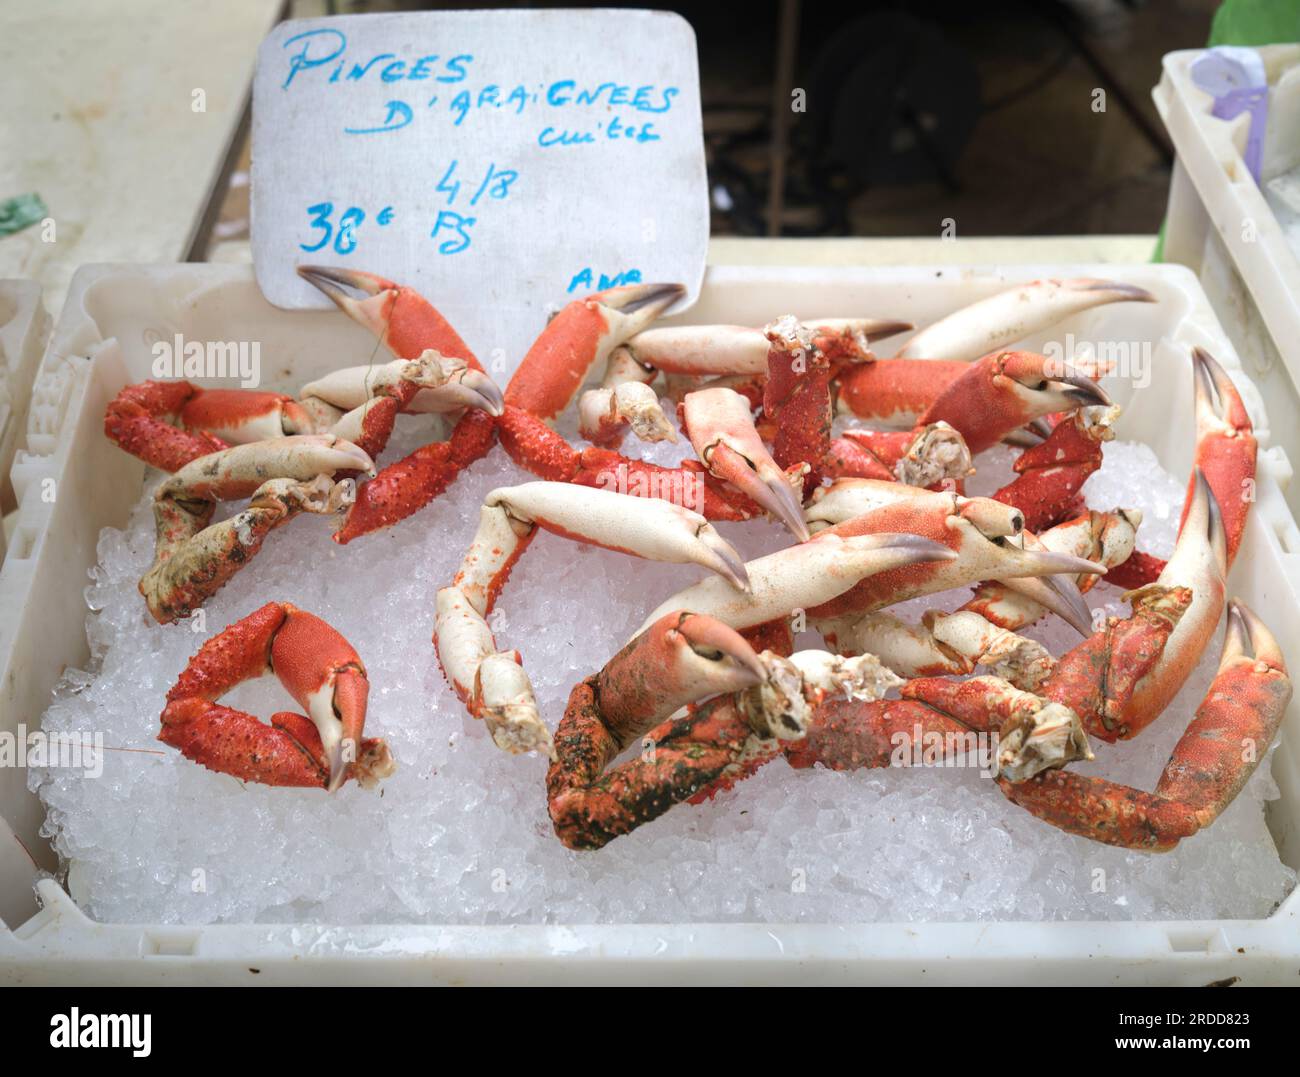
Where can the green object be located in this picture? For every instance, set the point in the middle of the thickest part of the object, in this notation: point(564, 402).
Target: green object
point(1256, 22)
point(20, 212)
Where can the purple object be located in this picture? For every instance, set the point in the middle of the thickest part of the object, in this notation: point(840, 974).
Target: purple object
point(1235, 102)
point(1235, 76)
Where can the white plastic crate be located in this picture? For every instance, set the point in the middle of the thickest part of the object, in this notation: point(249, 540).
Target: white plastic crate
point(1221, 226)
point(113, 315)
point(24, 327)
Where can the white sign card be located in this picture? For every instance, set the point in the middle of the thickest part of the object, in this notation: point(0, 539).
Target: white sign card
point(502, 163)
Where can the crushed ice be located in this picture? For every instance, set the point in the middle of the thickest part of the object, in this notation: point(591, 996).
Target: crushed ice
point(460, 834)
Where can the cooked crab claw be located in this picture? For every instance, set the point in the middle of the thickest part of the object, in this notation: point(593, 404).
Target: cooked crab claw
point(579, 338)
point(1058, 594)
point(468, 389)
point(803, 576)
point(340, 284)
point(1015, 314)
point(721, 428)
point(646, 301)
point(444, 384)
point(399, 316)
point(647, 527)
point(680, 658)
point(319, 668)
point(1004, 391)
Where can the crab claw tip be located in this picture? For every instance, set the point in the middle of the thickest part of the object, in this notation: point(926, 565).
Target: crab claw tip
point(724, 559)
point(332, 281)
point(1082, 388)
point(717, 642)
point(649, 299)
point(1130, 292)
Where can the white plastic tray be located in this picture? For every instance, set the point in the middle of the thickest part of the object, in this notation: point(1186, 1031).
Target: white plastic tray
point(24, 328)
point(1220, 225)
point(113, 314)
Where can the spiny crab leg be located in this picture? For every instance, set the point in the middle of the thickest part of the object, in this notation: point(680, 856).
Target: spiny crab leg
point(491, 682)
point(323, 674)
point(721, 428)
point(1209, 766)
point(193, 557)
point(1014, 314)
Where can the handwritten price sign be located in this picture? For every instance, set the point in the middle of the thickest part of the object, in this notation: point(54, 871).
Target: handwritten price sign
point(501, 162)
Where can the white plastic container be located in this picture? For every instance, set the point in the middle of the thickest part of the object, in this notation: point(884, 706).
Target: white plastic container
point(24, 328)
point(1220, 225)
point(112, 316)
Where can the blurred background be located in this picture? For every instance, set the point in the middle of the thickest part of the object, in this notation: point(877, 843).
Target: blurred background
point(917, 112)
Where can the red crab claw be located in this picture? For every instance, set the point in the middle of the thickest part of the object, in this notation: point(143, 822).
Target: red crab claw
point(1207, 769)
point(581, 335)
point(680, 658)
point(1225, 454)
point(1124, 676)
point(760, 702)
point(1225, 446)
point(1005, 390)
point(721, 428)
point(399, 317)
point(321, 671)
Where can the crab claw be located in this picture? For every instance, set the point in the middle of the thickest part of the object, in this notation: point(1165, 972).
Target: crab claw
point(1058, 594)
point(680, 658)
point(442, 384)
point(645, 527)
point(324, 675)
point(468, 388)
point(1014, 314)
point(238, 471)
point(720, 426)
point(1004, 391)
point(1225, 445)
point(581, 335)
point(401, 318)
point(338, 285)
point(320, 670)
point(802, 577)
